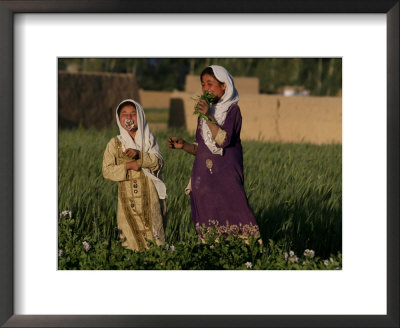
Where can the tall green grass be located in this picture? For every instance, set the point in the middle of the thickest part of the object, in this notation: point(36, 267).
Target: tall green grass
point(294, 190)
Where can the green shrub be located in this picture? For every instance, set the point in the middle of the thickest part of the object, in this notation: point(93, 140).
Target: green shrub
point(213, 252)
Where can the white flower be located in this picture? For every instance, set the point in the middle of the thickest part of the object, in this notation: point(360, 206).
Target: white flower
point(60, 252)
point(249, 265)
point(130, 124)
point(155, 234)
point(86, 246)
point(172, 248)
point(331, 259)
point(291, 253)
point(309, 253)
point(65, 213)
point(326, 262)
point(213, 222)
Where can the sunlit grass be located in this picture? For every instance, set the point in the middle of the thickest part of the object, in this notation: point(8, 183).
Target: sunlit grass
point(294, 190)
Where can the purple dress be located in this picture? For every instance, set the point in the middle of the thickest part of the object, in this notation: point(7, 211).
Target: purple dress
point(217, 181)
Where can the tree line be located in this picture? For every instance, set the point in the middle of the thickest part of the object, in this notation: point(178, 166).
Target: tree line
point(320, 76)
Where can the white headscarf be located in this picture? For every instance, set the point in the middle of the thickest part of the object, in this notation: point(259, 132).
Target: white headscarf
point(144, 142)
point(220, 109)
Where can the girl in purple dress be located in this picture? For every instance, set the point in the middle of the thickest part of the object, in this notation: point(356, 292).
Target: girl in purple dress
point(216, 186)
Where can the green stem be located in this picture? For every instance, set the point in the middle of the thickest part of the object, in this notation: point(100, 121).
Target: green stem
point(204, 116)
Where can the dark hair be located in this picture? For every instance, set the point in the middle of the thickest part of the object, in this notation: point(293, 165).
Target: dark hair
point(208, 70)
point(123, 104)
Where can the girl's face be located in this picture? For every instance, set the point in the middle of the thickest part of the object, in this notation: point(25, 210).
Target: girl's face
point(127, 115)
point(210, 84)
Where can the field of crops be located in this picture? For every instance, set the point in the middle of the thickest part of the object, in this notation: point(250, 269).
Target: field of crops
point(294, 190)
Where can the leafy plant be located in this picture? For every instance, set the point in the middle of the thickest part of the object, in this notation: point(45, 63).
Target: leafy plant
point(208, 97)
point(212, 252)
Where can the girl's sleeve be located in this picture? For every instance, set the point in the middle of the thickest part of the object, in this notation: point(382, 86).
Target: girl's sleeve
point(230, 130)
point(111, 170)
point(149, 161)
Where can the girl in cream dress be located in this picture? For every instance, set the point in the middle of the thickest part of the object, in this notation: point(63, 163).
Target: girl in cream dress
point(133, 159)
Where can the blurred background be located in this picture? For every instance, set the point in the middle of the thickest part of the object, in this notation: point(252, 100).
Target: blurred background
point(281, 99)
point(320, 76)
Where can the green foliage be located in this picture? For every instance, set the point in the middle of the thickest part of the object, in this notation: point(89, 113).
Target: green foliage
point(294, 191)
point(208, 97)
point(214, 253)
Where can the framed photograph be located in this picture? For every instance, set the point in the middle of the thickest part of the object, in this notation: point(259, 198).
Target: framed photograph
point(34, 35)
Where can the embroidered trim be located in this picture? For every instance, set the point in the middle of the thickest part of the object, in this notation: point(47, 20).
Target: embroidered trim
point(146, 217)
point(121, 158)
point(242, 231)
point(119, 146)
point(122, 190)
point(129, 210)
point(209, 165)
point(220, 137)
point(208, 139)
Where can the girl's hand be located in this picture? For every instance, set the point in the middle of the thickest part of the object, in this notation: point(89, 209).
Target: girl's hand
point(175, 143)
point(132, 166)
point(132, 153)
point(202, 107)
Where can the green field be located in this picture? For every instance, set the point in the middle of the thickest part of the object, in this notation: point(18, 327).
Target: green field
point(294, 190)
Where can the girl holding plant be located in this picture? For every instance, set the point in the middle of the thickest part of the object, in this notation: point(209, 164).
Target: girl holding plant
point(133, 159)
point(216, 186)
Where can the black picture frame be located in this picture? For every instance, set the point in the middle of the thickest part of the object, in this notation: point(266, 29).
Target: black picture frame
point(7, 172)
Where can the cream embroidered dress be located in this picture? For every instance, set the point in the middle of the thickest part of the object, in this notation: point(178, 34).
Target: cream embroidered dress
point(141, 201)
